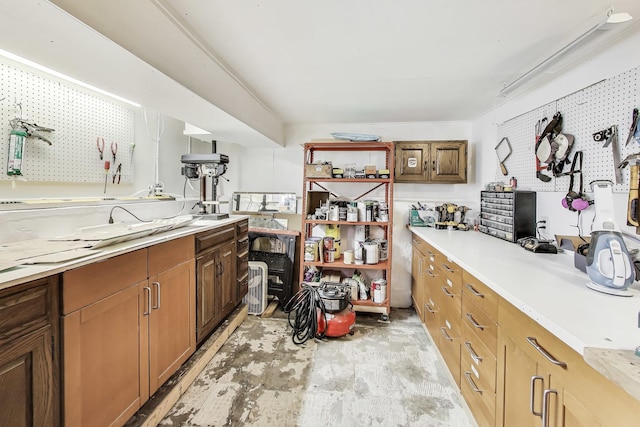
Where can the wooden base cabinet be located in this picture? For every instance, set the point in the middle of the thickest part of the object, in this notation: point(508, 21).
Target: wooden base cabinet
point(128, 324)
point(29, 354)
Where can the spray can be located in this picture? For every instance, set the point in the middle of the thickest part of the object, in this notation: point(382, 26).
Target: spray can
point(16, 152)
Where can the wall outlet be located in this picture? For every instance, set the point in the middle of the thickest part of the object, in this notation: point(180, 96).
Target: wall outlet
point(544, 222)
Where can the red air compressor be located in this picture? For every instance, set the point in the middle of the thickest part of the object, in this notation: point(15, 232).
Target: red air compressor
point(338, 318)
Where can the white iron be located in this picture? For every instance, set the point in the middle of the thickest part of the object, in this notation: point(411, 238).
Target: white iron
point(609, 264)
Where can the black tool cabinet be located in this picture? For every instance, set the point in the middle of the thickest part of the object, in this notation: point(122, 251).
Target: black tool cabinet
point(278, 252)
point(508, 215)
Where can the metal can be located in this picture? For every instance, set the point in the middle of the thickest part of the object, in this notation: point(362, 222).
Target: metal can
point(329, 255)
point(328, 243)
point(379, 290)
point(383, 249)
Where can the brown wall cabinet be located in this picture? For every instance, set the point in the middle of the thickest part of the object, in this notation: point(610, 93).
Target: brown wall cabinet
point(436, 162)
point(128, 324)
point(29, 354)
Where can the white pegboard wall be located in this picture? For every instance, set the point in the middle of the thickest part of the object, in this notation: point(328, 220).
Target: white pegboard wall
point(78, 119)
point(585, 112)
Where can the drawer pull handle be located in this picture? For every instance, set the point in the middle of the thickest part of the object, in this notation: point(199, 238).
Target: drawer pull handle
point(532, 393)
point(474, 323)
point(473, 385)
point(446, 267)
point(157, 286)
point(473, 291)
point(446, 292)
point(445, 333)
point(147, 291)
point(545, 405)
point(429, 309)
point(420, 262)
point(533, 341)
point(430, 273)
point(473, 354)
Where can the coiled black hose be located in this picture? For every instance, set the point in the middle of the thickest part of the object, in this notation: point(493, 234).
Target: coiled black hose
point(302, 314)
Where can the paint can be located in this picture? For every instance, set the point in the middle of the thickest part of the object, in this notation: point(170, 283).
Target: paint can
point(348, 256)
point(383, 249)
point(329, 255)
point(311, 250)
point(328, 243)
point(379, 290)
point(370, 253)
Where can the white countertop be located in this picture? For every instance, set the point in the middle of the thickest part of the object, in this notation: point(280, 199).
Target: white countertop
point(546, 287)
point(26, 273)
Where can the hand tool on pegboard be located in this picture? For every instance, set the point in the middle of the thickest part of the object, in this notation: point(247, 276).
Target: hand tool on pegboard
point(634, 132)
point(540, 125)
point(610, 137)
point(499, 150)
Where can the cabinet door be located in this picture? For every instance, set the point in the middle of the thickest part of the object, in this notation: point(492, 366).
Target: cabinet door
point(448, 162)
point(412, 161)
point(106, 359)
point(521, 394)
point(227, 277)
point(26, 381)
point(172, 322)
point(209, 307)
point(417, 285)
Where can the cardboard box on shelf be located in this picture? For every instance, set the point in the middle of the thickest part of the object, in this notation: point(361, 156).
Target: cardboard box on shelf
point(315, 199)
point(319, 170)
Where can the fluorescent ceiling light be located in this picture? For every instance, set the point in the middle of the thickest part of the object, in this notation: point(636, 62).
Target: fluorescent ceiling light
point(54, 73)
point(610, 21)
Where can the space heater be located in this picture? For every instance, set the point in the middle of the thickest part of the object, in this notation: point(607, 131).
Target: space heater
point(256, 298)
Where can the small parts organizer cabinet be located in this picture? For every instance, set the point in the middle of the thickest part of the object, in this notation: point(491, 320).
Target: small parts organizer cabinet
point(380, 154)
point(509, 215)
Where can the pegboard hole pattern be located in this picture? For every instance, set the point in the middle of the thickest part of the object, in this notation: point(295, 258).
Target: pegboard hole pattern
point(78, 119)
point(585, 112)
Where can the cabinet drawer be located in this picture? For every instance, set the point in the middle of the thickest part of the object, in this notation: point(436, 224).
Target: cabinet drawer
point(88, 284)
point(421, 245)
point(482, 403)
point(447, 299)
point(451, 270)
point(24, 309)
point(242, 227)
point(169, 254)
point(480, 324)
point(536, 341)
point(475, 354)
point(449, 344)
point(242, 267)
point(480, 294)
point(210, 239)
point(243, 244)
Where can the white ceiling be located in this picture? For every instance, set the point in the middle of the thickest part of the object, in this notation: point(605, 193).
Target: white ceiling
point(257, 66)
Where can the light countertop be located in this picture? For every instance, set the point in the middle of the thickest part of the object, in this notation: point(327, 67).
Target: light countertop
point(603, 328)
point(26, 273)
point(546, 287)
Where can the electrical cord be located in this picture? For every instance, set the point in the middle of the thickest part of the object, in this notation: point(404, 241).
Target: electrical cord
point(302, 314)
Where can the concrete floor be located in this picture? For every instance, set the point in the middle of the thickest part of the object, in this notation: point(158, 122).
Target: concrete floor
point(386, 374)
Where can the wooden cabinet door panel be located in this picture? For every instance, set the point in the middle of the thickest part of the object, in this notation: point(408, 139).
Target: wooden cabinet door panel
point(515, 371)
point(26, 381)
point(227, 277)
point(209, 305)
point(106, 359)
point(412, 162)
point(417, 282)
point(171, 323)
point(448, 161)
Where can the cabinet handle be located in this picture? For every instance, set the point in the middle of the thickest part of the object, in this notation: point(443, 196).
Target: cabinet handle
point(147, 291)
point(446, 267)
point(445, 333)
point(473, 354)
point(545, 405)
point(446, 292)
point(545, 353)
point(420, 263)
point(429, 309)
point(430, 273)
point(532, 393)
point(473, 385)
point(473, 291)
point(474, 323)
point(157, 286)
point(433, 165)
